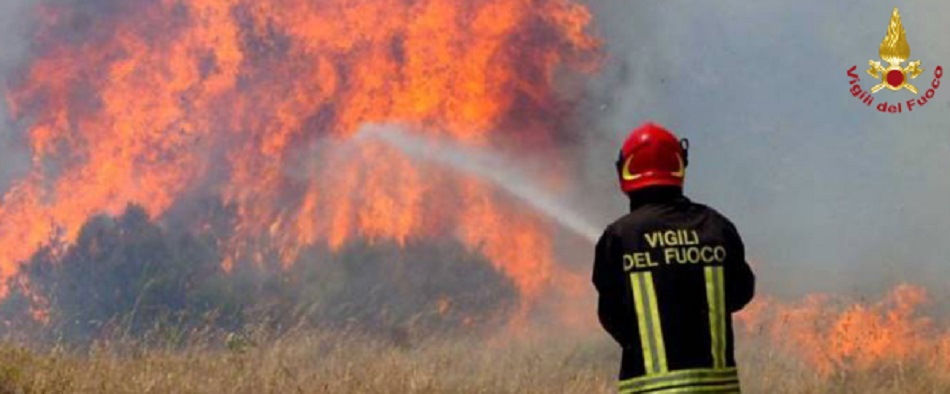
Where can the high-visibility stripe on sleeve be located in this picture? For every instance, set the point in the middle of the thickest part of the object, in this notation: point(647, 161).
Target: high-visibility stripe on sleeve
point(716, 298)
point(648, 319)
point(725, 380)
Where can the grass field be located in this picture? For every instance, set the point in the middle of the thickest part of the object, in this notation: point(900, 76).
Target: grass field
point(321, 362)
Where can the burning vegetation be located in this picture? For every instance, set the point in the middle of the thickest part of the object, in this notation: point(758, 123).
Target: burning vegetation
point(194, 164)
point(834, 335)
point(127, 276)
point(250, 105)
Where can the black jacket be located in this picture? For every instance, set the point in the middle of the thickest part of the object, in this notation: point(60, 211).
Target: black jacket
point(669, 275)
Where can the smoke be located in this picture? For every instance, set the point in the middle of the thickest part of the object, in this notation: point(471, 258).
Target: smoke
point(121, 111)
point(13, 49)
point(128, 275)
point(829, 195)
point(13, 27)
point(500, 171)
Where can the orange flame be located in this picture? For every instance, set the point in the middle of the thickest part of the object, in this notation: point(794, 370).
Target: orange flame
point(831, 335)
point(154, 100)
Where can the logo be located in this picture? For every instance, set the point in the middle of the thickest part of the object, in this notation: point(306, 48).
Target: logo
point(895, 50)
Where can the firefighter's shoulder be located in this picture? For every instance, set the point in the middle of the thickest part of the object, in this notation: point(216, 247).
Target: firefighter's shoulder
point(632, 223)
point(721, 220)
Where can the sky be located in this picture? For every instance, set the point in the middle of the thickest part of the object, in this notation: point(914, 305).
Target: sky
point(830, 195)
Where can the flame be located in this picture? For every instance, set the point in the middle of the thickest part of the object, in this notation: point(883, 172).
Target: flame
point(155, 101)
point(894, 48)
point(833, 335)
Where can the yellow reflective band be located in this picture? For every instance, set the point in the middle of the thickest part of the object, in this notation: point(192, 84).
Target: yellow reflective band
point(730, 388)
point(683, 373)
point(723, 313)
point(681, 383)
point(672, 379)
point(726, 388)
point(657, 327)
point(716, 299)
point(648, 319)
point(645, 343)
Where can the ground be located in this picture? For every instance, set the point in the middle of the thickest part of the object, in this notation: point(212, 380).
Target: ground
point(321, 362)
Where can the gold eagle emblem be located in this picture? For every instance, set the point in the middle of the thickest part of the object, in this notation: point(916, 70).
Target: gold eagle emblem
point(895, 50)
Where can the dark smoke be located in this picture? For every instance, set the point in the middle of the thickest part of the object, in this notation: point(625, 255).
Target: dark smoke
point(129, 276)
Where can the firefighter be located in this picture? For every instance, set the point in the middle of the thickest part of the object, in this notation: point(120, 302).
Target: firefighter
point(669, 275)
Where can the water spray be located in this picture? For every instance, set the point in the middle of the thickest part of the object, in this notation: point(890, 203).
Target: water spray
point(485, 165)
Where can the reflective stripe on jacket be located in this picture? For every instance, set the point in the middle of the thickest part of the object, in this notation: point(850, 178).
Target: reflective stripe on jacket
point(669, 276)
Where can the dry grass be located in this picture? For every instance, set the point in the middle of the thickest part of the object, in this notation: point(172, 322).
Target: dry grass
point(314, 363)
point(337, 363)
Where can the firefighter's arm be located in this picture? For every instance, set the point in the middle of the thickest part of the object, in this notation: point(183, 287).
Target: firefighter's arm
point(608, 280)
point(740, 281)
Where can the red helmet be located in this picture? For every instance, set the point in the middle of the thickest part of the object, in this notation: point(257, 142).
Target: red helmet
point(652, 156)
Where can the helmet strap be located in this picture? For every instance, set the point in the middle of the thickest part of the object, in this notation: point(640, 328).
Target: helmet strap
point(684, 146)
point(619, 163)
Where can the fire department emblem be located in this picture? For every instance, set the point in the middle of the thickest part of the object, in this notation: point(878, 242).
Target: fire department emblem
point(895, 51)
